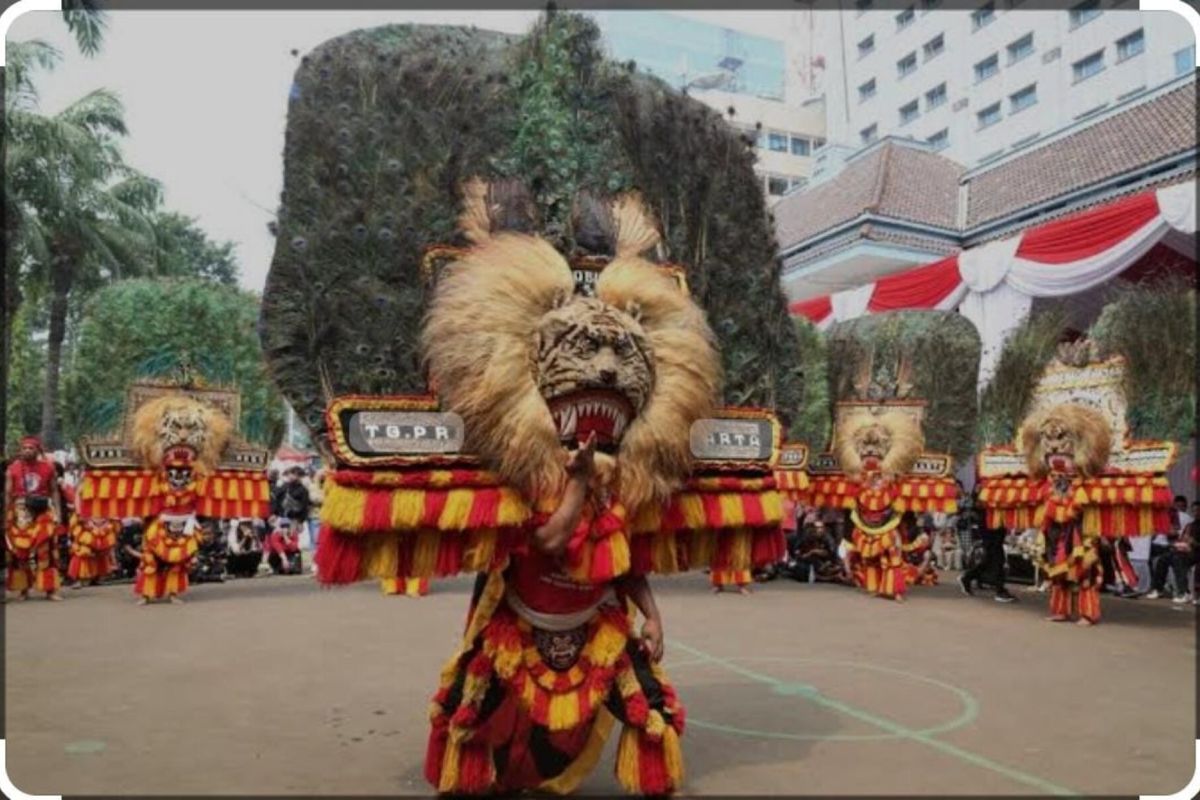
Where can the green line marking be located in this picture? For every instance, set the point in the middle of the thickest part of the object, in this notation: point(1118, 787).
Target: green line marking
point(970, 706)
point(893, 728)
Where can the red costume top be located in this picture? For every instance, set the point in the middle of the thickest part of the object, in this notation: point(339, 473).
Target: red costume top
point(31, 478)
point(541, 581)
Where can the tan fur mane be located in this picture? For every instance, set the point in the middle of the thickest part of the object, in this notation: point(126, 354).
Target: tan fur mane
point(902, 432)
point(203, 427)
point(1086, 427)
point(479, 346)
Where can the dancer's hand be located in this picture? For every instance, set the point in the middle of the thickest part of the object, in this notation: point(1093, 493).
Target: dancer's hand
point(652, 639)
point(582, 462)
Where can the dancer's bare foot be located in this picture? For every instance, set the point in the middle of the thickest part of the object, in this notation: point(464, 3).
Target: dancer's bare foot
point(176, 599)
point(899, 598)
point(744, 590)
point(77, 585)
point(142, 601)
point(1057, 618)
point(23, 596)
point(716, 590)
point(1085, 622)
point(53, 596)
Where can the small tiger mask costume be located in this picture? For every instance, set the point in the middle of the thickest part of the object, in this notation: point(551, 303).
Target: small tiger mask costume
point(1066, 439)
point(173, 423)
point(888, 443)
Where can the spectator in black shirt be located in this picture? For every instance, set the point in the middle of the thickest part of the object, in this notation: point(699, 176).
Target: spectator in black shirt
point(291, 500)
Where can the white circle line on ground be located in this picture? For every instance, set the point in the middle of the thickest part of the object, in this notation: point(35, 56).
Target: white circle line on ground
point(970, 706)
point(959, 753)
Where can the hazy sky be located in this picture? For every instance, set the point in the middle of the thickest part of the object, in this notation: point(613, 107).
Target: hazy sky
point(205, 97)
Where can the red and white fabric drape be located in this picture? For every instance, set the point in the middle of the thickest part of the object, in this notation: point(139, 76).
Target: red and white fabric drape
point(994, 285)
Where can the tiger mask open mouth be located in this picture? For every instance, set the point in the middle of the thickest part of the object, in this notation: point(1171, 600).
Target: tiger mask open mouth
point(595, 370)
point(532, 364)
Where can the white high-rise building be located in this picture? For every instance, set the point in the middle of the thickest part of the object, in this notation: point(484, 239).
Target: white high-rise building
point(978, 84)
point(756, 82)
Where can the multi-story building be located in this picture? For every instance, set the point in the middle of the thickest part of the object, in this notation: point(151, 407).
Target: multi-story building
point(895, 203)
point(743, 76)
point(978, 84)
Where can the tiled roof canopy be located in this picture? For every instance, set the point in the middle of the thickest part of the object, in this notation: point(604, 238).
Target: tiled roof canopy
point(1124, 142)
point(898, 181)
point(891, 180)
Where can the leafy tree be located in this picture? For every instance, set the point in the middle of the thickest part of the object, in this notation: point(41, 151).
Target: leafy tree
point(86, 22)
point(27, 374)
point(167, 325)
point(810, 421)
point(184, 250)
point(81, 215)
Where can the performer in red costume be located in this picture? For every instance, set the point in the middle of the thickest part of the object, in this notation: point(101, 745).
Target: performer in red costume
point(92, 544)
point(1076, 476)
point(32, 526)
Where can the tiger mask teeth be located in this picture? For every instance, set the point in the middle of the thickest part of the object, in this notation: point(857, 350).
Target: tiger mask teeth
point(604, 413)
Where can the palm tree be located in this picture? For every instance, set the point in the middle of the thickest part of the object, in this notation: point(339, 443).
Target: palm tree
point(81, 216)
point(85, 19)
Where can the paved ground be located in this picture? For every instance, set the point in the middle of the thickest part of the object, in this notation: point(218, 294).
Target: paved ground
point(274, 686)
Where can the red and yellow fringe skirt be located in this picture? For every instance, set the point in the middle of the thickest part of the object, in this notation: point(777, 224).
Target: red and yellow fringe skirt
point(503, 720)
point(157, 581)
point(722, 578)
point(31, 561)
point(878, 563)
point(409, 587)
point(1074, 571)
point(166, 562)
point(91, 566)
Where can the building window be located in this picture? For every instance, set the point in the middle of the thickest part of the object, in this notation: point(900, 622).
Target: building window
point(907, 65)
point(797, 183)
point(1084, 12)
point(866, 91)
point(801, 146)
point(1131, 45)
point(1085, 68)
point(862, 5)
point(940, 140)
point(777, 142)
point(989, 116)
point(776, 185)
point(935, 96)
point(983, 16)
point(1185, 60)
point(866, 46)
point(987, 68)
point(929, 5)
point(869, 134)
point(1023, 99)
point(909, 112)
point(935, 46)
point(905, 18)
point(1021, 48)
